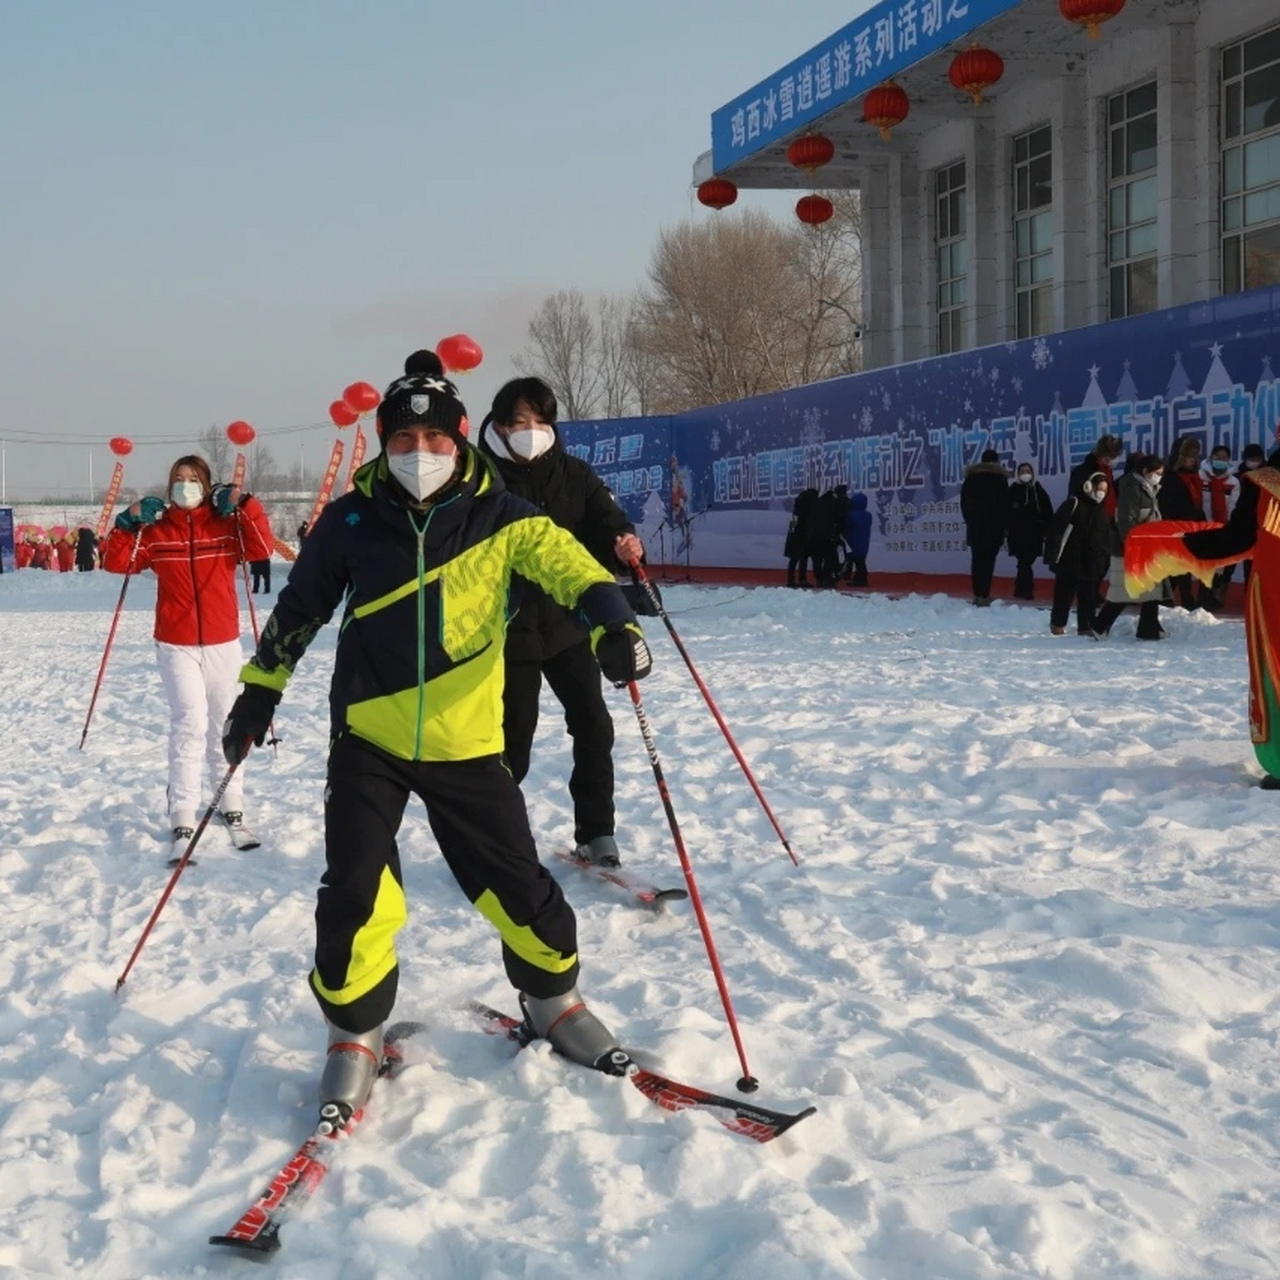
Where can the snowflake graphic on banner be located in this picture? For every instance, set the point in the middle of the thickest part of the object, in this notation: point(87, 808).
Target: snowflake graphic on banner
point(866, 417)
point(811, 427)
point(1041, 356)
point(715, 440)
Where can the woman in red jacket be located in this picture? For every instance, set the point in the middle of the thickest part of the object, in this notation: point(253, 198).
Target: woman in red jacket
point(194, 545)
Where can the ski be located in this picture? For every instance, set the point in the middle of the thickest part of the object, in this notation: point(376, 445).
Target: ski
point(760, 1124)
point(256, 1232)
point(645, 894)
point(241, 836)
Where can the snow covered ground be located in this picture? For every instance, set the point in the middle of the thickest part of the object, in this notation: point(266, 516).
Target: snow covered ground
point(1027, 970)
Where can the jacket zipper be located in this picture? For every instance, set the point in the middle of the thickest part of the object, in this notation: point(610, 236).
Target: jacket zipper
point(195, 586)
point(422, 633)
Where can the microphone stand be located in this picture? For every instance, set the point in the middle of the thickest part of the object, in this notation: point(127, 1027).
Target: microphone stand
point(688, 537)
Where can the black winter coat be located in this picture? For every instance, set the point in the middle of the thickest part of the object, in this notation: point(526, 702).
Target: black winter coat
point(1030, 511)
point(984, 503)
point(1087, 554)
point(575, 498)
point(797, 543)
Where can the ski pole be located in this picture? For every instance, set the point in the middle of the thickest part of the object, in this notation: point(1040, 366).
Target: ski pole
point(111, 635)
point(253, 618)
point(748, 1083)
point(644, 582)
point(178, 870)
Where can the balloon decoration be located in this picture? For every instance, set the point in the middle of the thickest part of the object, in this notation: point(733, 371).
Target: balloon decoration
point(811, 152)
point(885, 106)
point(241, 433)
point(343, 414)
point(717, 193)
point(974, 70)
point(1090, 14)
point(121, 446)
point(363, 397)
point(814, 209)
point(458, 353)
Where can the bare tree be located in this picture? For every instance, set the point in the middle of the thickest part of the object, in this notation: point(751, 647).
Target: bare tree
point(213, 444)
point(564, 351)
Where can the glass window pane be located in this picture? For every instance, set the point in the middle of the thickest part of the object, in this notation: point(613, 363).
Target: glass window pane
point(1022, 190)
point(1232, 170)
point(1023, 277)
point(1022, 237)
point(1020, 149)
point(1042, 311)
point(944, 262)
point(1041, 172)
point(1041, 232)
point(959, 292)
point(1231, 61)
point(1042, 268)
point(1116, 208)
point(1142, 240)
point(1262, 99)
point(1142, 287)
point(1142, 144)
point(1142, 100)
point(1143, 199)
point(1117, 253)
point(1262, 258)
point(1231, 214)
point(1024, 315)
point(1231, 265)
point(959, 258)
point(1117, 153)
point(1262, 206)
point(1119, 305)
point(1115, 109)
point(1262, 49)
point(957, 213)
point(1262, 161)
point(1231, 111)
point(944, 296)
point(1042, 141)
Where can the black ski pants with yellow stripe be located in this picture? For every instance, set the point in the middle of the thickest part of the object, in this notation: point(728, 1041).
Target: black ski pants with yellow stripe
point(478, 817)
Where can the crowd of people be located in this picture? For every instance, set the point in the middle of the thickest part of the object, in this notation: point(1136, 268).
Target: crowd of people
point(1082, 541)
point(822, 527)
point(59, 551)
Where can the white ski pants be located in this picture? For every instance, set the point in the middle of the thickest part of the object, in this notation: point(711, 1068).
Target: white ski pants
point(201, 683)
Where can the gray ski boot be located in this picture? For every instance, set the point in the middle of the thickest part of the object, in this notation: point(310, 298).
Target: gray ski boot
point(351, 1067)
point(573, 1030)
point(600, 851)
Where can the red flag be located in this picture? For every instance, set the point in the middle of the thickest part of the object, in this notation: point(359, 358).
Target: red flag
point(237, 476)
point(113, 492)
point(326, 486)
point(357, 457)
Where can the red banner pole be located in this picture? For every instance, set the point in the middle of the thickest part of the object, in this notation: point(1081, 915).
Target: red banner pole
point(326, 487)
point(113, 492)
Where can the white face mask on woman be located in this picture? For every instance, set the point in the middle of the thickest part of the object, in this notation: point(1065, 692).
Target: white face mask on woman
point(1025, 477)
point(422, 473)
point(187, 494)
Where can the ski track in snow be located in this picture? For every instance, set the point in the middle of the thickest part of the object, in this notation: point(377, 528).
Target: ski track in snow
point(1026, 970)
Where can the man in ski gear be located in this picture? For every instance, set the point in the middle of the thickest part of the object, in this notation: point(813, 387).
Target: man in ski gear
point(545, 639)
point(194, 546)
point(421, 553)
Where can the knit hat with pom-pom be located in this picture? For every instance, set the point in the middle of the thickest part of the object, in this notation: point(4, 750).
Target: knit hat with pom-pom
point(423, 397)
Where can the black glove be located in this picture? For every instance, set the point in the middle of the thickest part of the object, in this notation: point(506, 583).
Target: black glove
point(623, 655)
point(248, 721)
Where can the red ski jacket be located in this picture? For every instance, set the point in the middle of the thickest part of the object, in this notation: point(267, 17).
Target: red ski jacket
point(194, 555)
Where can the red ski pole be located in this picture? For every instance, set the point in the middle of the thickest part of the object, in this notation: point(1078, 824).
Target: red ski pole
point(111, 635)
point(177, 871)
point(748, 1083)
point(644, 582)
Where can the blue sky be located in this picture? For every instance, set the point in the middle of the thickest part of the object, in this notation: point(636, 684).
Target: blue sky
point(232, 210)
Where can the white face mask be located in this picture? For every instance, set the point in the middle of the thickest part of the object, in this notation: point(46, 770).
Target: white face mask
point(1025, 477)
point(529, 443)
point(422, 473)
point(1099, 495)
point(187, 494)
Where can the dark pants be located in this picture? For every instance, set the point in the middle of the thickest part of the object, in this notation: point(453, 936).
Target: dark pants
point(796, 568)
point(856, 571)
point(261, 575)
point(982, 566)
point(1084, 591)
point(574, 677)
point(478, 818)
point(1148, 618)
point(1024, 581)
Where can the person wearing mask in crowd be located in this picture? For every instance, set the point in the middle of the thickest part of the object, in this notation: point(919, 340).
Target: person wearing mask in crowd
point(194, 545)
point(984, 505)
point(86, 549)
point(825, 520)
point(420, 554)
point(43, 556)
point(24, 551)
point(1030, 511)
point(797, 548)
point(857, 537)
point(544, 639)
point(1182, 498)
point(1138, 504)
point(1104, 457)
point(1082, 559)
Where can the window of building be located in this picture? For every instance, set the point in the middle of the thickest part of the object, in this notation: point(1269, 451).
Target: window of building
point(1033, 231)
point(1133, 201)
point(952, 257)
point(1251, 163)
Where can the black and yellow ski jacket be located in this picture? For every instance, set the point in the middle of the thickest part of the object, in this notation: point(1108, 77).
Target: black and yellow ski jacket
point(419, 668)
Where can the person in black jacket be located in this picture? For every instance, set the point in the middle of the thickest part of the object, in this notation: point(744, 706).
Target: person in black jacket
point(1030, 511)
point(86, 549)
point(797, 548)
point(984, 504)
point(1084, 560)
point(544, 639)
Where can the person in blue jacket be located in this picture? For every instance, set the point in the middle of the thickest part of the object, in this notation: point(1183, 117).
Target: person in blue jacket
point(857, 537)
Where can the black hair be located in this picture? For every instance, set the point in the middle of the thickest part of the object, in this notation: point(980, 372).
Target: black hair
point(533, 391)
point(990, 455)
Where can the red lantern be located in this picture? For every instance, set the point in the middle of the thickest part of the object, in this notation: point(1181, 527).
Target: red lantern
point(885, 106)
point(811, 152)
point(814, 209)
point(458, 353)
point(241, 433)
point(343, 414)
point(1090, 14)
point(974, 70)
point(362, 397)
point(717, 193)
point(121, 446)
